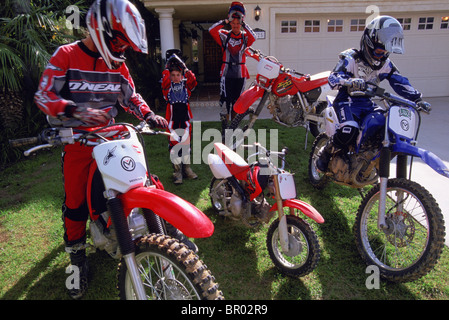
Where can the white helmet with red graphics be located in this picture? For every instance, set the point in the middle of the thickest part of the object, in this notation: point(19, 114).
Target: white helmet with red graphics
point(115, 25)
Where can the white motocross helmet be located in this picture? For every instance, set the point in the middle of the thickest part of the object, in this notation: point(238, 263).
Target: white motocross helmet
point(115, 25)
point(382, 36)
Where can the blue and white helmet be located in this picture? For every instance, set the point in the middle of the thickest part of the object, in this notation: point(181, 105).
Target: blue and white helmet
point(382, 36)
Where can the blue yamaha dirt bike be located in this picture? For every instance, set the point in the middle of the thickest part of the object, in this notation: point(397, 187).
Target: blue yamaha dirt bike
point(399, 226)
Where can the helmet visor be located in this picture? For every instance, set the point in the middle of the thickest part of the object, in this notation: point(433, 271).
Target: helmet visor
point(392, 38)
point(134, 27)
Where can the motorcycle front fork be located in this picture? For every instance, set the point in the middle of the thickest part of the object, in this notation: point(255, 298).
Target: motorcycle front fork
point(126, 245)
point(283, 232)
point(384, 173)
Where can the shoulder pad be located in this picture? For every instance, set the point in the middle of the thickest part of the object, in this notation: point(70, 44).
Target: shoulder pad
point(349, 53)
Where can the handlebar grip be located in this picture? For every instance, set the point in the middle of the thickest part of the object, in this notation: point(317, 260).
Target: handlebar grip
point(16, 143)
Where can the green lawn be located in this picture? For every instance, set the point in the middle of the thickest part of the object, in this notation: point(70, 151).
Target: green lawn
point(33, 261)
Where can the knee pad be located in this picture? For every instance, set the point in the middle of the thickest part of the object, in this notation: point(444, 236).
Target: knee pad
point(345, 136)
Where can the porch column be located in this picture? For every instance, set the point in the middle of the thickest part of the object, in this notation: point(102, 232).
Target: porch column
point(166, 28)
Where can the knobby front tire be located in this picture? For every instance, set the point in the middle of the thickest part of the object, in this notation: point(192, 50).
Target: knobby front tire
point(318, 179)
point(169, 271)
point(304, 253)
point(414, 240)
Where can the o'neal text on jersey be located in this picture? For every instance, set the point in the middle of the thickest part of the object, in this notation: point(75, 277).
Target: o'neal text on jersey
point(94, 87)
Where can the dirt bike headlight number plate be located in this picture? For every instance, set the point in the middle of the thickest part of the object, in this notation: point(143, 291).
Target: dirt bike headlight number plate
point(403, 121)
point(268, 69)
point(287, 186)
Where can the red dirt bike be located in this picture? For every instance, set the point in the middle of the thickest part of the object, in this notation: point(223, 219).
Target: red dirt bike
point(130, 220)
point(295, 99)
point(236, 191)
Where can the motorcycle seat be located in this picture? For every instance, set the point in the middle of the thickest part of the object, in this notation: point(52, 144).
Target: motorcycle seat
point(235, 163)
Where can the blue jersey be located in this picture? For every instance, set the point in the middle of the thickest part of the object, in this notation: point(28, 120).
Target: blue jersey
point(351, 65)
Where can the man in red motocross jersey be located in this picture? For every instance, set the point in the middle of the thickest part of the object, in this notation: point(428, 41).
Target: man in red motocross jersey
point(233, 71)
point(81, 87)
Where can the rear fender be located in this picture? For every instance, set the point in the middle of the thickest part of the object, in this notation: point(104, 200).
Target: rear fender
point(247, 98)
point(177, 211)
point(302, 206)
point(428, 157)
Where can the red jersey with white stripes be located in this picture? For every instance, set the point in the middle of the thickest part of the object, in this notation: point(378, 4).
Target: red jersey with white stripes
point(233, 47)
point(78, 76)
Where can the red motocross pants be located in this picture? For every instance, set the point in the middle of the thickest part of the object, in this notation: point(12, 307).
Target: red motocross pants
point(76, 161)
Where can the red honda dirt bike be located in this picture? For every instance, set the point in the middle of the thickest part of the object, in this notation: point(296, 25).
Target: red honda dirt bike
point(295, 99)
point(236, 191)
point(130, 221)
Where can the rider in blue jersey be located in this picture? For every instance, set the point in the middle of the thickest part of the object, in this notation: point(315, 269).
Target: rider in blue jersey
point(384, 35)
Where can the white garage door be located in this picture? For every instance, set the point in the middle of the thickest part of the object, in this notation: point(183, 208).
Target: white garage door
point(311, 44)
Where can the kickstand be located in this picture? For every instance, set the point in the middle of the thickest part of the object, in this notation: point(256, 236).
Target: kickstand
point(307, 135)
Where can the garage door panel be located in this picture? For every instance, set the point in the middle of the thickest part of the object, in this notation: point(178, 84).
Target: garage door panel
point(425, 62)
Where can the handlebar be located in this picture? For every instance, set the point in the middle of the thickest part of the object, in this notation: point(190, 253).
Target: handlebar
point(93, 136)
point(268, 153)
point(373, 90)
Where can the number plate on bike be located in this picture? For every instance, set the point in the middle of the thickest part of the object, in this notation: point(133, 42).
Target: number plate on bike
point(402, 121)
point(287, 187)
point(268, 69)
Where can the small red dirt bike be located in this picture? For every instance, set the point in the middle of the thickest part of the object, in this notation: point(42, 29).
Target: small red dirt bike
point(236, 191)
point(131, 226)
point(295, 99)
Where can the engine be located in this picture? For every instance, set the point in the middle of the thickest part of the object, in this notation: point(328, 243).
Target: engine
point(286, 110)
point(251, 213)
point(355, 170)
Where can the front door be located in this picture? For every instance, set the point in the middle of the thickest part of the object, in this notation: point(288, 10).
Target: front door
point(212, 55)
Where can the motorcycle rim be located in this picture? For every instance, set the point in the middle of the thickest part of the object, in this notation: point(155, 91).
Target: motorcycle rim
point(413, 243)
point(304, 251)
point(169, 271)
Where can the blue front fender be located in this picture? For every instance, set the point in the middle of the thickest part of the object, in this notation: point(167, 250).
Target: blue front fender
point(428, 157)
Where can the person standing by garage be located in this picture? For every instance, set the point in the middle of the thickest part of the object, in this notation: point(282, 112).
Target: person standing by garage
point(233, 71)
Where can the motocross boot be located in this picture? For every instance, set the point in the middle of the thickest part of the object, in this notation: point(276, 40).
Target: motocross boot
point(177, 174)
point(189, 174)
point(324, 156)
point(78, 259)
point(178, 235)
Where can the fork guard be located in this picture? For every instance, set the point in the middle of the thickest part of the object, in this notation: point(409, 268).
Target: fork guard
point(302, 206)
point(247, 98)
point(178, 212)
point(428, 157)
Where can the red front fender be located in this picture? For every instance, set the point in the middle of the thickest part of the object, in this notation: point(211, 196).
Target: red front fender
point(177, 211)
point(247, 98)
point(302, 206)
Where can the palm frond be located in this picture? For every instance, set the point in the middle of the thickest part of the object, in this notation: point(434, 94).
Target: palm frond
point(11, 67)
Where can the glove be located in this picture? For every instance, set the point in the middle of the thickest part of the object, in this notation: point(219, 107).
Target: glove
point(154, 120)
point(91, 117)
point(356, 84)
point(424, 106)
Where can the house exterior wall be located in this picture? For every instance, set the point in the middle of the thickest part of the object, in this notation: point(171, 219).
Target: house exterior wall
point(426, 58)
